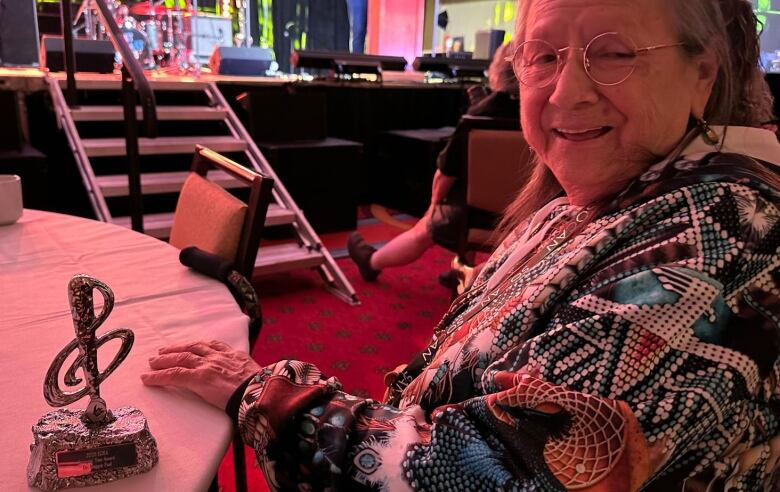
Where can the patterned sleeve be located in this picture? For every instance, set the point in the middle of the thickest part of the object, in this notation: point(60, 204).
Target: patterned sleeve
point(309, 435)
point(662, 364)
point(679, 329)
point(532, 436)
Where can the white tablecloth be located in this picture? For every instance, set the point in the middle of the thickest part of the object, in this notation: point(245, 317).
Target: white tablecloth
point(159, 299)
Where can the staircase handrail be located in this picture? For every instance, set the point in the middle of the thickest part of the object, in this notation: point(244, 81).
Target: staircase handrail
point(134, 69)
point(133, 80)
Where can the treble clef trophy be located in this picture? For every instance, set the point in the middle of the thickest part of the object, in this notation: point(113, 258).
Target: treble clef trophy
point(92, 446)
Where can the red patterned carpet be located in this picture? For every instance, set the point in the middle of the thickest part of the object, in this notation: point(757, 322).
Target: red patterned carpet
point(356, 344)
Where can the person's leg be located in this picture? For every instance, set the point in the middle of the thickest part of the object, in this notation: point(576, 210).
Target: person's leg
point(358, 19)
point(405, 247)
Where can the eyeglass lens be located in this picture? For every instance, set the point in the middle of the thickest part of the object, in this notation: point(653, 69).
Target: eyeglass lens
point(610, 59)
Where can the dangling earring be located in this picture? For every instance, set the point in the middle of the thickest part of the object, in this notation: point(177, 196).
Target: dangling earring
point(707, 133)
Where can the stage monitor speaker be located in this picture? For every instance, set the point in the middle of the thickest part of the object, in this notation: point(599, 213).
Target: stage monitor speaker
point(91, 55)
point(229, 60)
point(487, 42)
point(18, 33)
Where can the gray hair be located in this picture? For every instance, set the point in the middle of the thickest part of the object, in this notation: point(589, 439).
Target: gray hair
point(740, 95)
point(500, 73)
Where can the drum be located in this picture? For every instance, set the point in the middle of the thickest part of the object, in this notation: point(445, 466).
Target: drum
point(154, 35)
point(159, 36)
point(139, 44)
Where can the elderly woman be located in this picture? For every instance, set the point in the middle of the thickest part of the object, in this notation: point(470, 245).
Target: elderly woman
point(624, 335)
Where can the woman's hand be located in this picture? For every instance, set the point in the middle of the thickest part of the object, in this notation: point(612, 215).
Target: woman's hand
point(212, 370)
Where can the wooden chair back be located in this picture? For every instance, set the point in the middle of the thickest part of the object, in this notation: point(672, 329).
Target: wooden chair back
point(209, 217)
point(497, 166)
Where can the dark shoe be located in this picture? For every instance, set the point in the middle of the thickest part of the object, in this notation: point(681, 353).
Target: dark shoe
point(451, 279)
point(360, 252)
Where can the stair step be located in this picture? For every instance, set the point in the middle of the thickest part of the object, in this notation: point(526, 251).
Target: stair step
point(153, 183)
point(164, 113)
point(91, 81)
point(271, 258)
point(106, 147)
point(285, 257)
point(155, 225)
point(159, 225)
point(278, 215)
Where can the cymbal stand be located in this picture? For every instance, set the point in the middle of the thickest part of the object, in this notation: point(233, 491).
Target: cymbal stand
point(244, 35)
point(89, 22)
point(192, 51)
point(181, 57)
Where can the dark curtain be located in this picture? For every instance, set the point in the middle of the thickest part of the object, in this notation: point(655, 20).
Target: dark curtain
point(325, 22)
point(290, 20)
point(328, 25)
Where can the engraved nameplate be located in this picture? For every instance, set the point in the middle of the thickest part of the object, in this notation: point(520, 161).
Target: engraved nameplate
point(87, 461)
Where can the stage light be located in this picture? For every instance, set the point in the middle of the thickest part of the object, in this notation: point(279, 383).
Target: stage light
point(346, 63)
point(451, 66)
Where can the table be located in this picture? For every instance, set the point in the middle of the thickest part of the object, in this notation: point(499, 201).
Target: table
point(162, 301)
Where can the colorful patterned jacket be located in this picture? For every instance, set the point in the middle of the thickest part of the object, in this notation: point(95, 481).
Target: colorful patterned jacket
point(641, 353)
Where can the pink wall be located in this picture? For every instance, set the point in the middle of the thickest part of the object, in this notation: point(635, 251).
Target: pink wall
point(395, 28)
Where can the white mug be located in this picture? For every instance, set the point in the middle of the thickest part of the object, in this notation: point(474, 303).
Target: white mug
point(10, 198)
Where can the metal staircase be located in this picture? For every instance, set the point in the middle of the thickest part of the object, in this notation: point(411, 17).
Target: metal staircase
point(228, 135)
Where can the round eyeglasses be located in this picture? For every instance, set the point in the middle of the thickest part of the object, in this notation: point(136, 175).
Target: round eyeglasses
point(609, 59)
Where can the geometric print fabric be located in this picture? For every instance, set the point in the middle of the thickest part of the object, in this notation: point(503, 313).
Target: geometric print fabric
point(642, 351)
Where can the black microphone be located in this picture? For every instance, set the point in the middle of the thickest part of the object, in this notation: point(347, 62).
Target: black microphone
point(206, 263)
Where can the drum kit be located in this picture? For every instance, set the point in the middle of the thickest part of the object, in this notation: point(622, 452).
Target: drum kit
point(160, 36)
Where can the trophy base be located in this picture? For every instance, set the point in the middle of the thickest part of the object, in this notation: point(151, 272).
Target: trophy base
point(68, 453)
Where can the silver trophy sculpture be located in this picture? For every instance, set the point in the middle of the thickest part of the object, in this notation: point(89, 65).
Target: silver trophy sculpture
point(92, 446)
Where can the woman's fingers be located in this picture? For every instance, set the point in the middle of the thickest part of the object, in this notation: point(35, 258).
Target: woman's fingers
point(179, 377)
point(211, 370)
point(220, 346)
point(198, 348)
point(179, 359)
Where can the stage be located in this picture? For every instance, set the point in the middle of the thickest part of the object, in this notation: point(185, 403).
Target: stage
point(24, 78)
point(290, 118)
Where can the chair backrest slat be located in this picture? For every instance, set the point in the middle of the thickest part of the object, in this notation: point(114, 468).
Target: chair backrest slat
point(497, 168)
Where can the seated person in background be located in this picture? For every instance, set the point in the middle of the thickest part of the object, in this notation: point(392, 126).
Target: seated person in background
point(408, 246)
point(626, 333)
